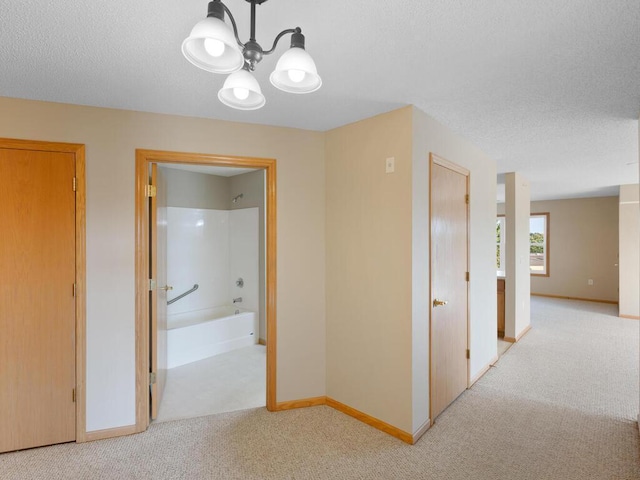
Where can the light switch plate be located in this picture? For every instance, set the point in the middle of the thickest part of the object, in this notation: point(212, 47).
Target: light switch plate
point(390, 165)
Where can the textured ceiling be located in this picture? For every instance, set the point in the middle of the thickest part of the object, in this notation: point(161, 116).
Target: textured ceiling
point(548, 88)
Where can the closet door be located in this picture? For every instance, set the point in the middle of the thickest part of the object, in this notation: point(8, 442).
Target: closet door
point(37, 303)
point(449, 284)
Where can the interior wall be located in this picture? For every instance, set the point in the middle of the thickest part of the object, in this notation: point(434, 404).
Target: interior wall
point(368, 267)
point(583, 245)
point(629, 241)
point(252, 187)
point(197, 190)
point(517, 306)
point(111, 138)
point(378, 262)
point(431, 136)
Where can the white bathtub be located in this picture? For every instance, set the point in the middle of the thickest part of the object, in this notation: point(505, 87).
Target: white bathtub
point(201, 334)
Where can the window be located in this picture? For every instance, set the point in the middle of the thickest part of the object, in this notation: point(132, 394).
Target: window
point(500, 231)
point(539, 244)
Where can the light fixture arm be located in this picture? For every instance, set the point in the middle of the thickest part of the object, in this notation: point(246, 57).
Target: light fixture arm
point(297, 30)
point(233, 23)
point(296, 40)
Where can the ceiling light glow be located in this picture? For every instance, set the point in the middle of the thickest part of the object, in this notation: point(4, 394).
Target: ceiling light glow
point(214, 47)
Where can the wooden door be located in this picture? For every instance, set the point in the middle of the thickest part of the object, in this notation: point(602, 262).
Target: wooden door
point(449, 297)
point(37, 304)
point(158, 304)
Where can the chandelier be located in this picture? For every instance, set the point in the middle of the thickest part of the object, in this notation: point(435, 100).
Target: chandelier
point(214, 47)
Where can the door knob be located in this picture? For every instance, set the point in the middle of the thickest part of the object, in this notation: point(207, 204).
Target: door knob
point(166, 287)
point(438, 303)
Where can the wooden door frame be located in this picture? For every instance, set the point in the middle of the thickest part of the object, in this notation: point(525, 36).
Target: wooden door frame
point(437, 160)
point(143, 159)
point(78, 150)
point(157, 389)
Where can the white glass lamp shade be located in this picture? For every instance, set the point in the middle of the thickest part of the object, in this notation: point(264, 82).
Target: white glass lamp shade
point(296, 72)
point(213, 47)
point(241, 91)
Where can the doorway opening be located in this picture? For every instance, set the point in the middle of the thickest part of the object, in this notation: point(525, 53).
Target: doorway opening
point(214, 332)
point(210, 257)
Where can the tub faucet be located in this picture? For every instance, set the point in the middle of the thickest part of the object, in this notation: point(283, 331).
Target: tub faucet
point(236, 300)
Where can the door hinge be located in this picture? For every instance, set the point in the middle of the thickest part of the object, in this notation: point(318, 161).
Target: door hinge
point(149, 191)
point(468, 353)
point(75, 288)
point(152, 378)
point(73, 395)
point(152, 284)
point(74, 184)
point(466, 276)
point(466, 198)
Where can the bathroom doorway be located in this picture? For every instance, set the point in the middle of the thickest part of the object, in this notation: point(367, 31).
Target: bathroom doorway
point(216, 217)
point(215, 333)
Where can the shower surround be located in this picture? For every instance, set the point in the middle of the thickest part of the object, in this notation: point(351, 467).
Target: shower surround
point(214, 249)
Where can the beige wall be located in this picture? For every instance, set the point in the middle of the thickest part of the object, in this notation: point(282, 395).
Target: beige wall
point(583, 244)
point(431, 136)
point(517, 311)
point(111, 137)
point(378, 262)
point(369, 267)
point(629, 240)
point(196, 190)
point(252, 187)
point(375, 246)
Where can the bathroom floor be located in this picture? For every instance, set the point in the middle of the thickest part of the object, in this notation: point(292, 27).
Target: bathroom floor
point(230, 381)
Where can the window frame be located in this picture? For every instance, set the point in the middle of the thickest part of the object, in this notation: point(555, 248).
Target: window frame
point(545, 244)
point(501, 218)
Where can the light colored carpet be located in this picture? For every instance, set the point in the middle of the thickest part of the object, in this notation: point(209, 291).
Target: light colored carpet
point(560, 405)
point(235, 380)
point(503, 347)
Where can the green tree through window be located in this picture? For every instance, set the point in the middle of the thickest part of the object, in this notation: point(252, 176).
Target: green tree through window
point(538, 243)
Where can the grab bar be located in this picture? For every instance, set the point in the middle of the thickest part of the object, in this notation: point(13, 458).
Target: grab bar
point(195, 287)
